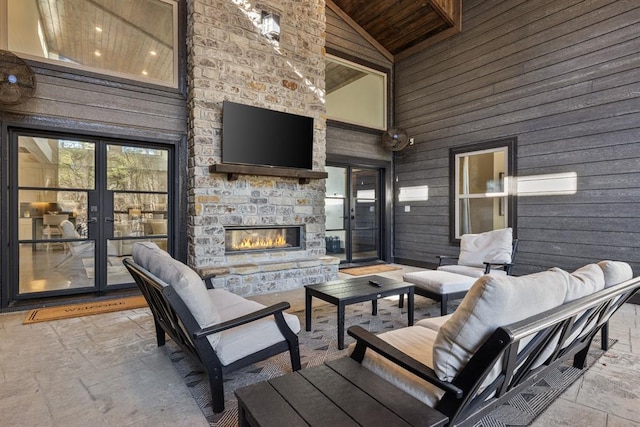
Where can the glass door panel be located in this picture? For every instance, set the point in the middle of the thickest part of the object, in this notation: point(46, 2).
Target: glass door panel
point(137, 184)
point(365, 218)
point(335, 211)
point(55, 251)
point(352, 213)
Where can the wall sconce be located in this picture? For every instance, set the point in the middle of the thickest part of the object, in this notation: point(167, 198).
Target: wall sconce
point(270, 26)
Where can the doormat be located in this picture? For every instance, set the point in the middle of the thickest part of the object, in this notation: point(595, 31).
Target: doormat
point(83, 309)
point(371, 269)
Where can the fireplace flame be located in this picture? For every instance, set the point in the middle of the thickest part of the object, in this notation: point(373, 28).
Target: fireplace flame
point(256, 242)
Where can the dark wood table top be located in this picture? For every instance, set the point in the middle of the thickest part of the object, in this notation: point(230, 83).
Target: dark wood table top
point(357, 288)
point(338, 393)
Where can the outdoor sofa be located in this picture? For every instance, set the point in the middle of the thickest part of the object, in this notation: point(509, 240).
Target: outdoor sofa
point(506, 333)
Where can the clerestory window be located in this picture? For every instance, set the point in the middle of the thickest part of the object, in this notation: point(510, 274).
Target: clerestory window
point(135, 39)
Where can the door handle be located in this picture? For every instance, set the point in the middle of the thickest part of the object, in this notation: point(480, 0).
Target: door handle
point(92, 220)
point(109, 220)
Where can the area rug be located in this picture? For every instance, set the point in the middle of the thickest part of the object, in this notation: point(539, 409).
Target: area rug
point(371, 269)
point(320, 345)
point(83, 309)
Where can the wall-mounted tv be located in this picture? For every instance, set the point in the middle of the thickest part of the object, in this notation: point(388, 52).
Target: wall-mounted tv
point(257, 136)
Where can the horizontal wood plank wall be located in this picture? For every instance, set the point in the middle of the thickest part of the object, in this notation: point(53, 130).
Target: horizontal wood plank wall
point(118, 110)
point(349, 142)
point(562, 77)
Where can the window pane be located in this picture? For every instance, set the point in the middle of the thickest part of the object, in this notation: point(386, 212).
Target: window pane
point(479, 173)
point(480, 215)
point(133, 38)
point(55, 163)
point(137, 169)
point(355, 94)
point(336, 181)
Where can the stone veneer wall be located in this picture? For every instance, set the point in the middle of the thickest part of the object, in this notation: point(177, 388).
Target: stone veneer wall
point(228, 59)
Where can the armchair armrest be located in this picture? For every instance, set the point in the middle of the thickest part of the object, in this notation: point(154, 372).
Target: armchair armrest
point(505, 266)
point(275, 309)
point(207, 279)
point(443, 258)
point(365, 339)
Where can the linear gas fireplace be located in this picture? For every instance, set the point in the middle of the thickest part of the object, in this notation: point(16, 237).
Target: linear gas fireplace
point(253, 239)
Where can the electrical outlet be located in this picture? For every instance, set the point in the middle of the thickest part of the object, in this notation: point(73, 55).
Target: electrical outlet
point(407, 208)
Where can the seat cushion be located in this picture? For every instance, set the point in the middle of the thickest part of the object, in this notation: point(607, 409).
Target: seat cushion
point(441, 282)
point(493, 246)
point(241, 341)
point(491, 302)
point(417, 342)
point(434, 323)
point(186, 282)
point(468, 270)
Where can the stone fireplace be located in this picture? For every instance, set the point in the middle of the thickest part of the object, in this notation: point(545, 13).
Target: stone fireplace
point(231, 61)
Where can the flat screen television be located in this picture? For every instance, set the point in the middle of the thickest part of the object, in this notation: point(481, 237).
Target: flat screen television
point(258, 136)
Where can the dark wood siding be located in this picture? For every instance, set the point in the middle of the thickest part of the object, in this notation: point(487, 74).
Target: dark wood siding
point(561, 77)
point(76, 103)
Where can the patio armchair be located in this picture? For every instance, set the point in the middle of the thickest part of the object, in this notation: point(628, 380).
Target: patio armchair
point(221, 331)
point(490, 252)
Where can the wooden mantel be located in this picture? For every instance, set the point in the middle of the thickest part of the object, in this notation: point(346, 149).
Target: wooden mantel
point(234, 171)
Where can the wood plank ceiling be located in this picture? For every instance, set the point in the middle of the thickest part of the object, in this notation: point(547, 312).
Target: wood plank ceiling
point(403, 25)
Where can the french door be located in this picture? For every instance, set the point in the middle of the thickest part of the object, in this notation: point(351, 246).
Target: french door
point(78, 206)
point(353, 213)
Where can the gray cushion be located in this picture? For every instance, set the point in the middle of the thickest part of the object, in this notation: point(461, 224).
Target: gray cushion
point(143, 252)
point(584, 281)
point(491, 302)
point(417, 342)
point(244, 340)
point(493, 246)
point(466, 270)
point(441, 282)
point(434, 323)
point(615, 272)
point(186, 282)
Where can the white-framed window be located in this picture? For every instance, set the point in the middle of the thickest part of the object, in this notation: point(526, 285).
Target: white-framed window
point(355, 94)
point(480, 187)
point(134, 39)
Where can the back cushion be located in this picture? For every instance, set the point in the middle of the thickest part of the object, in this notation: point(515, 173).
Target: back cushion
point(615, 272)
point(493, 246)
point(144, 252)
point(187, 283)
point(491, 302)
point(584, 281)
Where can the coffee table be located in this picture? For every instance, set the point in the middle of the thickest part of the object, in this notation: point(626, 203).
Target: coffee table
point(339, 393)
point(352, 291)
